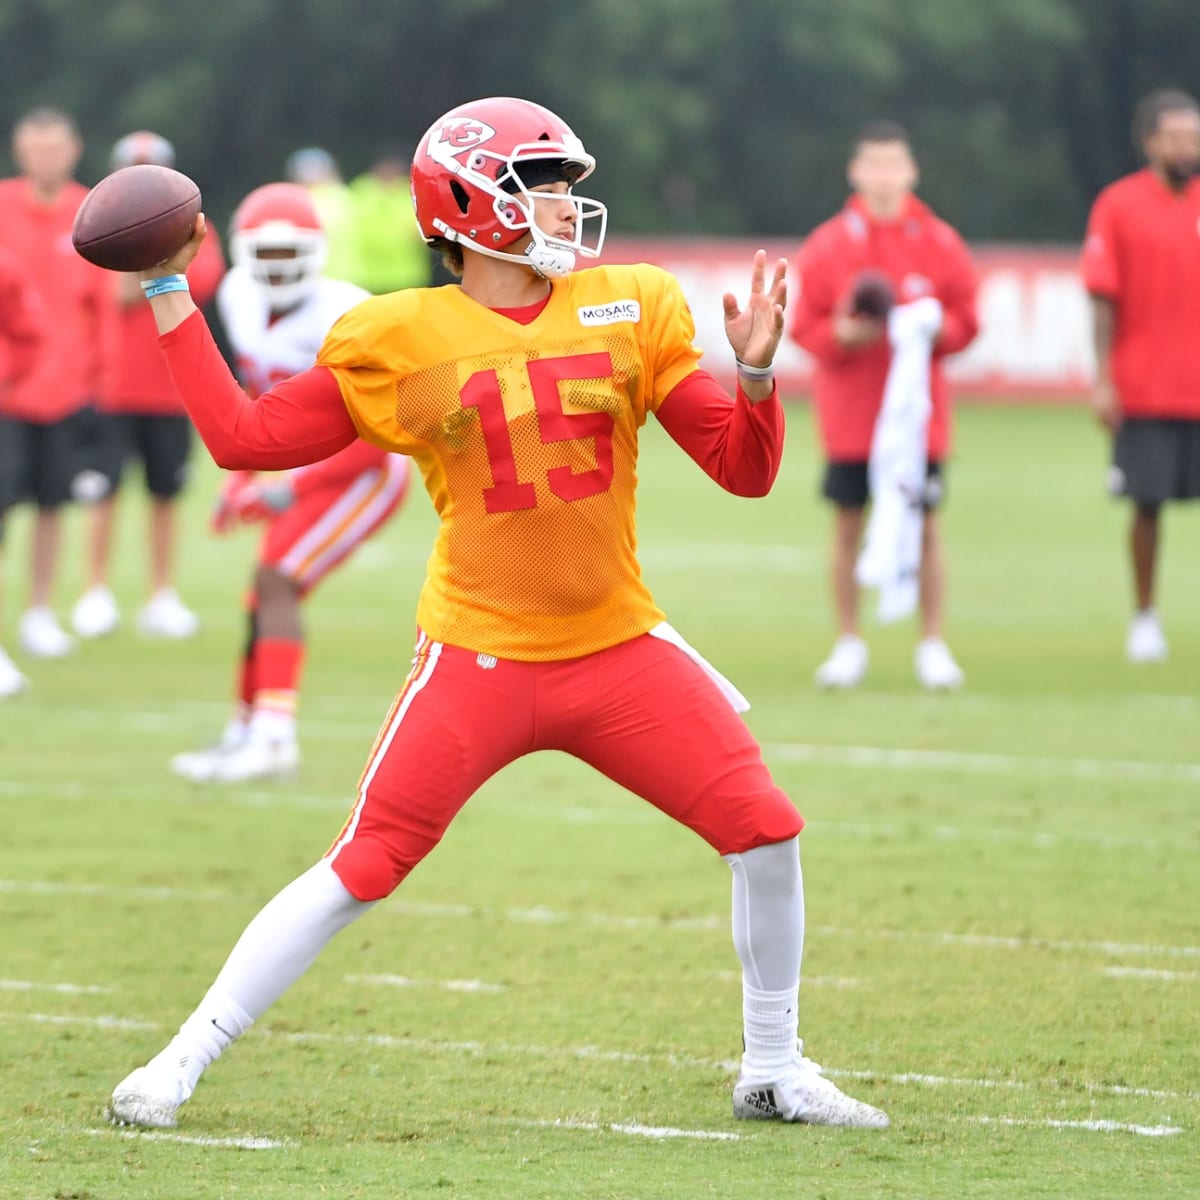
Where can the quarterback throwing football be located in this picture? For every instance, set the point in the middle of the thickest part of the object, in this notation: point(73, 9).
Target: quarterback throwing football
point(520, 394)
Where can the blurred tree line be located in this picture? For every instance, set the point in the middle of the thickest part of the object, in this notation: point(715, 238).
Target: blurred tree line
point(716, 116)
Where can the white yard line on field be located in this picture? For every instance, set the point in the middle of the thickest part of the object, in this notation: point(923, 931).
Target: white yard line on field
point(122, 1024)
point(895, 758)
point(594, 920)
point(215, 1143)
point(51, 887)
point(474, 1049)
point(659, 1132)
point(67, 989)
point(1151, 973)
point(1087, 1126)
point(445, 985)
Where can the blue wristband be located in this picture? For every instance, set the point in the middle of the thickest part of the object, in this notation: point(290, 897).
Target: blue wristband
point(164, 284)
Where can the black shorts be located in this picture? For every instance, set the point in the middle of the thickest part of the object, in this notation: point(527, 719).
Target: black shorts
point(162, 442)
point(1155, 460)
point(40, 462)
point(846, 484)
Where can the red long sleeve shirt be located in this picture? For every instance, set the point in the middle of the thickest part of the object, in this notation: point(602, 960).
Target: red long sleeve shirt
point(80, 359)
point(922, 256)
point(304, 419)
point(143, 381)
point(23, 322)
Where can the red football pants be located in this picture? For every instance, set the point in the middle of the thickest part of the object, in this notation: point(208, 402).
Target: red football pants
point(322, 529)
point(642, 713)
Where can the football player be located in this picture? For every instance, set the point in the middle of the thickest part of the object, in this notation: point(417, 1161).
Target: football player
point(277, 307)
point(520, 393)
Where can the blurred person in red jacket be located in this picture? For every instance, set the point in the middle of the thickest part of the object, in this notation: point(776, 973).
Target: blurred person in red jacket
point(1141, 264)
point(142, 418)
point(22, 336)
point(886, 235)
point(46, 415)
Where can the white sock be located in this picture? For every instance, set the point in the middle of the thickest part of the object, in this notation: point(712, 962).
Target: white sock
point(768, 935)
point(270, 725)
point(277, 947)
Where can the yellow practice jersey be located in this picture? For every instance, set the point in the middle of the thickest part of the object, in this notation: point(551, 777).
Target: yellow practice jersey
point(526, 436)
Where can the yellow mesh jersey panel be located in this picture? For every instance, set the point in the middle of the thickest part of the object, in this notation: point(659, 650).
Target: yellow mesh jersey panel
point(526, 436)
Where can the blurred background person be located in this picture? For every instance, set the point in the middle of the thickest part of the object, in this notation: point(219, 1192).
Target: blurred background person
point(883, 231)
point(277, 308)
point(390, 253)
point(142, 418)
point(1141, 265)
point(49, 411)
point(23, 323)
point(317, 171)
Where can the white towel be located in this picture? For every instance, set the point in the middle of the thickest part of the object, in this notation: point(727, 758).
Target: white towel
point(891, 553)
point(669, 634)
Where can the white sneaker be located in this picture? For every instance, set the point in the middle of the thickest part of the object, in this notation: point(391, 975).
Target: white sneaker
point(802, 1094)
point(166, 616)
point(149, 1097)
point(12, 682)
point(257, 758)
point(95, 613)
point(197, 766)
point(41, 636)
point(846, 667)
point(936, 668)
point(1146, 643)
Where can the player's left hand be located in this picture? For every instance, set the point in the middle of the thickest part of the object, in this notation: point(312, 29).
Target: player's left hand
point(263, 501)
point(754, 331)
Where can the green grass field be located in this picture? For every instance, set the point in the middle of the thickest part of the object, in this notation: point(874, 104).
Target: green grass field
point(1003, 895)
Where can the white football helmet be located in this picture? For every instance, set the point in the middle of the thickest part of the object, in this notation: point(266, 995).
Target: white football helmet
point(278, 238)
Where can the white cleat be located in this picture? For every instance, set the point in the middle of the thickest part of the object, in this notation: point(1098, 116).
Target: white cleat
point(149, 1097)
point(803, 1094)
point(12, 682)
point(257, 758)
point(41, 636)
point(936, 669)
point(846, 667)
point(1146, 643)
point(95, 613)
point(166, 616)
point(197, 766)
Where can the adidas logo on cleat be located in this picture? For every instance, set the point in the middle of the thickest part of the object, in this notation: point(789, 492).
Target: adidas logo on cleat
point(763, 1100)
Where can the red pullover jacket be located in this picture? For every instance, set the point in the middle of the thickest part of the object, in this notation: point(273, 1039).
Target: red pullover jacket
point(922, 256)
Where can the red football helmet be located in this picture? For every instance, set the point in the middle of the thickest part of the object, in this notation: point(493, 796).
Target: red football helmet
point(278, 237)
point(472, 175)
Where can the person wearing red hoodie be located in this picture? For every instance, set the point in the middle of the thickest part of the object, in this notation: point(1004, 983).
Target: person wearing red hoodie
point(45, 416)
point(23, 323)
point(884, 245)
point(143, 418)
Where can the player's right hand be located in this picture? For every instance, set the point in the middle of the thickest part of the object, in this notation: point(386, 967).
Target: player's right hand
point(1106, 404)
point(854, 332)
point(178, 263)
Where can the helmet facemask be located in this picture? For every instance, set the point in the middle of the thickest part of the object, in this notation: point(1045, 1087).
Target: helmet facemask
point(288, 279)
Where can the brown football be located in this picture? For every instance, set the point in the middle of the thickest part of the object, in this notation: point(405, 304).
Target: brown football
point(872, 295)
point(136, 217)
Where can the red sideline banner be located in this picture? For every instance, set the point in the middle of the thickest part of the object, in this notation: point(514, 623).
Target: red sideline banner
point(1035, 323)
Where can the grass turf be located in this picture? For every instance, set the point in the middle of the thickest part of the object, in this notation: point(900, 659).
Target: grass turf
point(1003, 943)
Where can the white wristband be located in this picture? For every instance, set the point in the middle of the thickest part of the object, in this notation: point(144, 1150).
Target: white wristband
point(758, 374)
